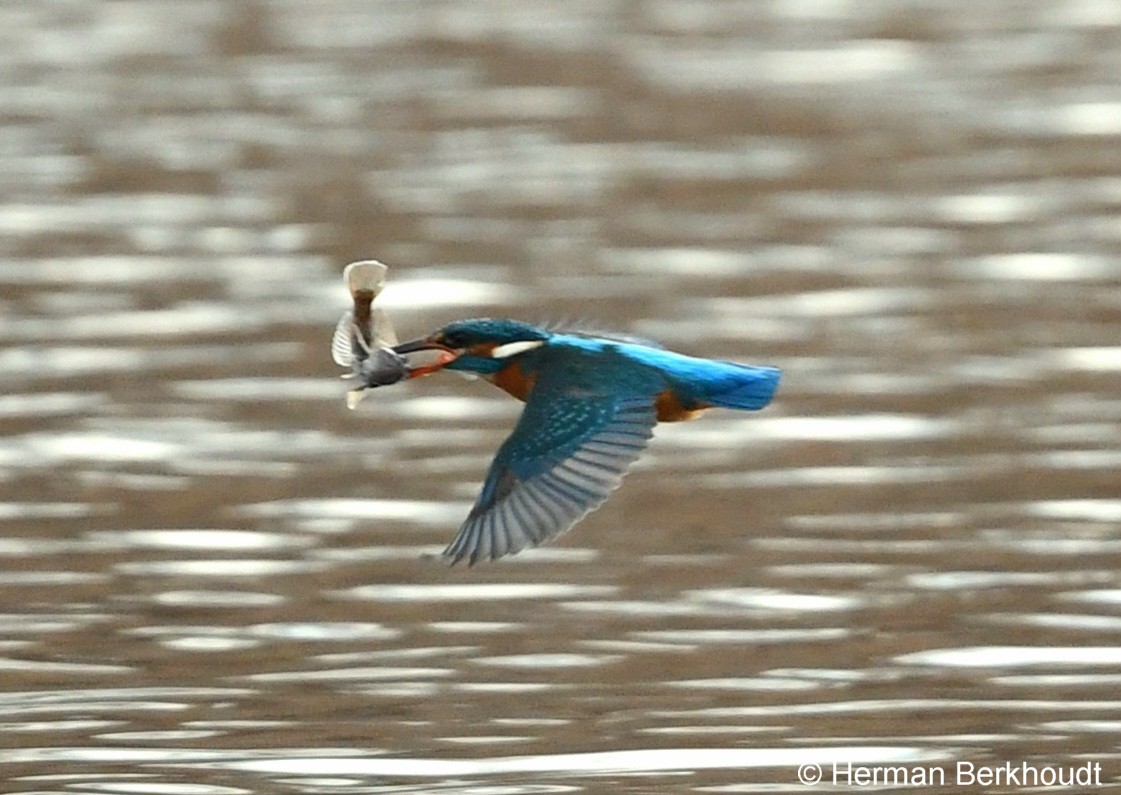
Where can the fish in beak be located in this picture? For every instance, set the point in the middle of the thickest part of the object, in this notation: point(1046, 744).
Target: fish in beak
point(387, 366)
point(364, 338)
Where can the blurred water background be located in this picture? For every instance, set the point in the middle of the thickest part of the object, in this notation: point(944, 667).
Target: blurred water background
point(210, 571)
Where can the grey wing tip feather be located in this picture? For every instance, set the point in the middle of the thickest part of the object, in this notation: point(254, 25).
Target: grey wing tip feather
point(488, 537)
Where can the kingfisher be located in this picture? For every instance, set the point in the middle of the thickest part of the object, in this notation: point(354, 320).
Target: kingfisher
point(591, 399)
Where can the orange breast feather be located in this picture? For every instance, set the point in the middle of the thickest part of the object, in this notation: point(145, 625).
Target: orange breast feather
point(671, 409)
point(512, 380)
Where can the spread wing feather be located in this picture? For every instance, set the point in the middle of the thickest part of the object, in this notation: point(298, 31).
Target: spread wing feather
point(568, 452)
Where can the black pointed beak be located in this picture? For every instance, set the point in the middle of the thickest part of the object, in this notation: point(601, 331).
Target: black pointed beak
point(412, 346)
point(424, 356)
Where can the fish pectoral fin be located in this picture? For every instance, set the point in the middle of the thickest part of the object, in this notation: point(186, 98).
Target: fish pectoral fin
point(342, 349)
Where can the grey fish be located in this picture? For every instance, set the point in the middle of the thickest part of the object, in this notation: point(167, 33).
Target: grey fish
point(364, 337)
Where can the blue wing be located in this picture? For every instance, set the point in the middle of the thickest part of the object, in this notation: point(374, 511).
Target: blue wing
point(568, 452)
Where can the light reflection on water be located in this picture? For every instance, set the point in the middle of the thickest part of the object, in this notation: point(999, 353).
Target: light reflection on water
point(1016, 656)
point(473, 592)
point(605, 763)
point(218, 580)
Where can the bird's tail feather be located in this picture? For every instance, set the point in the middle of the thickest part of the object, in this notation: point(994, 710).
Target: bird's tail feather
point(751, 388)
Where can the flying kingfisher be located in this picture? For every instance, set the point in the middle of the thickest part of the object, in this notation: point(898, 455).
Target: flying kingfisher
point(591, 402)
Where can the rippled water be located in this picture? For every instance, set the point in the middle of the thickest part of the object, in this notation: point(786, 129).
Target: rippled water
point(214, 577)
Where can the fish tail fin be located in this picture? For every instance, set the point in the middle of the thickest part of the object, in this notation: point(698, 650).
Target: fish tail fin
point(366, 276)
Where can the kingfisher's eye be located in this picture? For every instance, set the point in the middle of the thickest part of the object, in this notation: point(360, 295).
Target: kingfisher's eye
point(451, 340)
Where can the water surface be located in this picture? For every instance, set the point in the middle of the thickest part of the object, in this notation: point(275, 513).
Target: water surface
point(215, 580)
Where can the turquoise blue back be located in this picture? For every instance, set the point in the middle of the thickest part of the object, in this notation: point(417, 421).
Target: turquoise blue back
point(725, 384)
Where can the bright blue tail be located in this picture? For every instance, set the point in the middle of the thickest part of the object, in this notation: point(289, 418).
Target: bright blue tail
point(742, 386)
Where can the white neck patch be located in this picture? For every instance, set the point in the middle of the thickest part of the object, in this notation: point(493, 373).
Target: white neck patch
point(514, 348)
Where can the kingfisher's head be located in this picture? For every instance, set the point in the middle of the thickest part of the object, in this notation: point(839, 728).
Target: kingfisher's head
point(480, 345)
